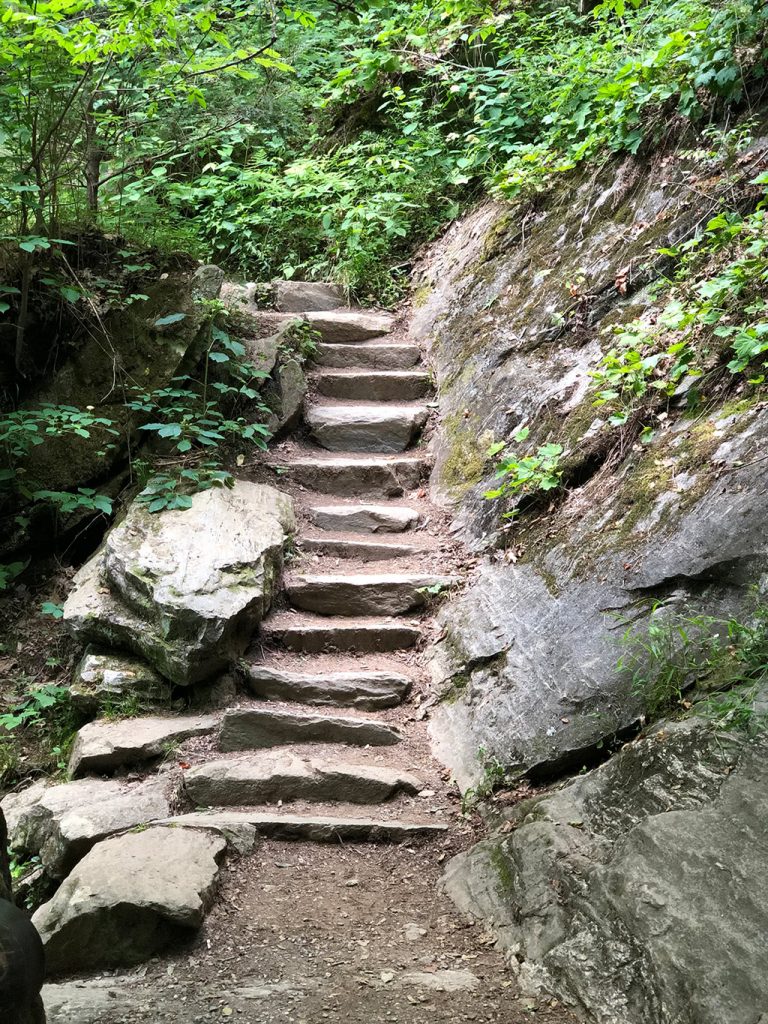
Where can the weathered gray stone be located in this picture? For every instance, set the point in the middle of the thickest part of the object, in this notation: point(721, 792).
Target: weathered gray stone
point(255, 728)
point(349, 326)
point(374, 386)
point(104, 677)
point(360, 550)
point(103, 745)
point(292, 385)
point(314, 636)
point(352, 476)
point(368, 355)
point(366, 428)
point(320, 829)
point(188, 608)
point(266, 778)
point(442, 981)
point(380, 594)
point(60, 824)
point(129, 898)
point(307, 296)
point(637, 893)
point(365, 690)
point(364, 518)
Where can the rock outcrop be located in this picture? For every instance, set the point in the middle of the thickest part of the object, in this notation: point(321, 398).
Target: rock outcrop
point(638, 892)
point(188, 608)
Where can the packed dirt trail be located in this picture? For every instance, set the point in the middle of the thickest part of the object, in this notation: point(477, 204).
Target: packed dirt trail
point(337, 913)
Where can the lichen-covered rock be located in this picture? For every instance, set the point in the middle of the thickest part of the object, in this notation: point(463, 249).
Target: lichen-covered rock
point(188, 608)
point(638, 893)
point(60, 824)
point(104, 677)
point(130, 897)
point(530, 653)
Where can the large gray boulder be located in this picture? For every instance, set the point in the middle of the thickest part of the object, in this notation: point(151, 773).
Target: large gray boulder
point(60, 824)
point(186, 605)
point(130, 897)
point(303, 296)
point(638, 893)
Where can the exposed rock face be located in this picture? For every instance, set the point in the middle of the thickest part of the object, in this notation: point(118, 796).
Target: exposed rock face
point(129, 897)
point(60, 824)
point(188, 607)
point(144, 352)
point(530, 653)
point(638, 892)
point(512, 303)
point(106, 678)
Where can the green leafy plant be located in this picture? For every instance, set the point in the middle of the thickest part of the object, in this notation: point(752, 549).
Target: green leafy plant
point(525, 474)
point(723, 660)
point(34, 705)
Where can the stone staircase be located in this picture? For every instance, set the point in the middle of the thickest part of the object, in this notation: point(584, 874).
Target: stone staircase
point(328, 728)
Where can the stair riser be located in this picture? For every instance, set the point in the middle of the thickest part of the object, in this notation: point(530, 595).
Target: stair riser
point(361, 639)
point(363, 521)
point(367, 357)
point(368, 438)
point(388, 480)
point(366, 694)
point(343, 599)
point(209, 793)
point(368, 552)
point(374, 388)
point(244, 730)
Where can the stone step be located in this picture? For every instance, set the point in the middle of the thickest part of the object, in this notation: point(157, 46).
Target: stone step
point(259, 728)
point(267, 778)
point(367, 691)
point(353, 477)
point(366, 428)
point(374, 386)
point(367, 356)
point(367, 550)
point(320, 829)
point(363, 518)
point(350, 325)
point(311, 635)
point(103, 745)
point(363, 594)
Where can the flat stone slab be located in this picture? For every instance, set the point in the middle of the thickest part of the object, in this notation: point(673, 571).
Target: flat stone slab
point(257, 728)
point(60, 824)
point(367, 356)
point(365, 690)
point(349, 325)
point(316, 829)
point(307, 296)
point(106, 678)
point(266, 778)
point(362, 550)
point(128, 898)
point(364, 518)
point(350, 477)
point(374, 385)
point(380, 594)
point(103, 746)
point(366, 428)
point(312, 637)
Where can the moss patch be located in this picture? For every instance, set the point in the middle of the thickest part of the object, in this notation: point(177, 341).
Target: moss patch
point(465, 460)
